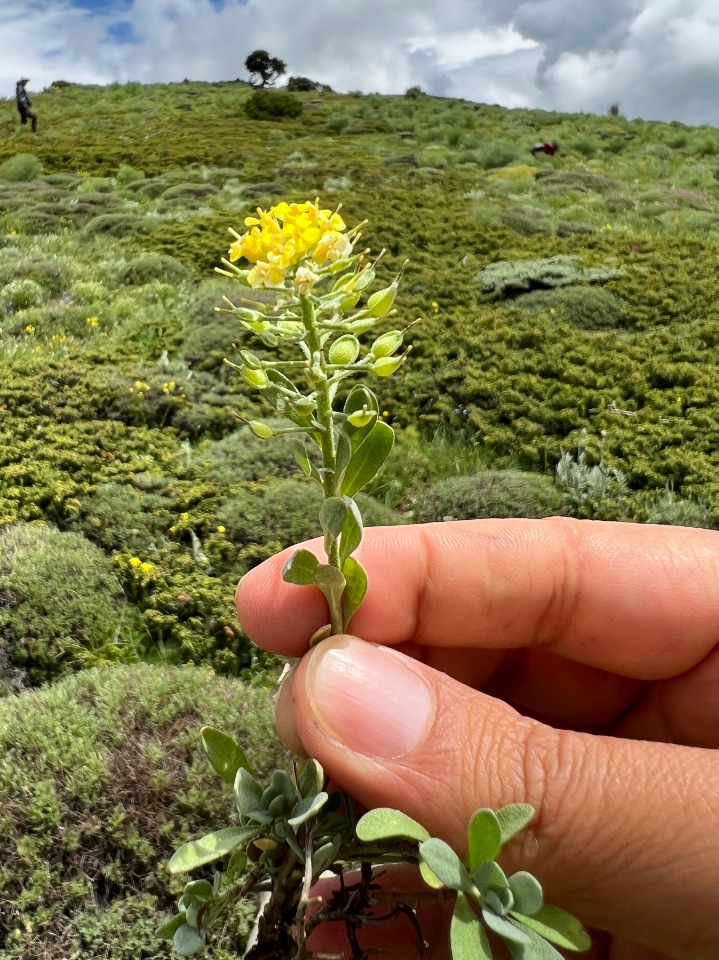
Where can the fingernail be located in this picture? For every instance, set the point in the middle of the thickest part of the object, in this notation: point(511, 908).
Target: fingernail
point(368, 697)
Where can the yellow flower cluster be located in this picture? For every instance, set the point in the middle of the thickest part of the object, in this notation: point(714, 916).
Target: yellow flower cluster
point(285, 235)
point(29, 329)
point(138, 564)
point(93, 322)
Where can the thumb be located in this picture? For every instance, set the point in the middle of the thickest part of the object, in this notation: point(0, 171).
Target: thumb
point(626, 833)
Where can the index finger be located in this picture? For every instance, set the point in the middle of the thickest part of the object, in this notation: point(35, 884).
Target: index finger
point(635, 599)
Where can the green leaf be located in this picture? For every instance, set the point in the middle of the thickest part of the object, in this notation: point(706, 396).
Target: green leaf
point(299, 452)
point(359, 397)
point(467, 936)
point(536, 949)
point(226, 756)
point(368, 458)
point(167, 930)
point(325, 856)
point(527, 893)
point(307, 808)
point(300, 568)
point(344, 452)
point(282, 783)
point(215, 845)
point(187, 940)
point(248, 792)
point(384, 823)
point(311, 777)
point(332, 515)
point(485, 837)
point(508, 931)
point(198, 888)
point(331, 582)
point(429, 878)
point(513, 818)
point(490, 876)
point(355, 589)
point(557, 926)
point(445, 865)
point(351, 534)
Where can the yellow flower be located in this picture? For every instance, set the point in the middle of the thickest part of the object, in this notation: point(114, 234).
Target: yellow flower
point(141, 385)
point(221, 530)
point(331, 246)
point(93, 322)
point(135, 562)
point(435, 306)
point(168, 387)
point(147, 567)
point(29, 328)
point(552, 311)
point(184, 516)
point(266, 275)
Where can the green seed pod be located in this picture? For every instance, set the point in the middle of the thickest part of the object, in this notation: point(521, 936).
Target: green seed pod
point(388, 343)
point(304, 406)
point(381, 302)
point(386, 366)
point(290, 329)
point(250, 360)
point(360, 418)
point(350, 301)
point(255, 378)
point(344, 350)
point(261, 430)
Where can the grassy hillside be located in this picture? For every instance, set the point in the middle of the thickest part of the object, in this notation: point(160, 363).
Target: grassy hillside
point(569, 305)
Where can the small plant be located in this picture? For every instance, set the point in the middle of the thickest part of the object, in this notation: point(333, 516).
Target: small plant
point(293, 828)
point(588, 486)
point(512, 277)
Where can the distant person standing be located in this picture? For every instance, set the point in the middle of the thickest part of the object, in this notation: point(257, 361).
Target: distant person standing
point(24, 103)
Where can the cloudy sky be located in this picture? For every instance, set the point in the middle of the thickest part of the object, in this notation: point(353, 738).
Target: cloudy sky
point(657, 58)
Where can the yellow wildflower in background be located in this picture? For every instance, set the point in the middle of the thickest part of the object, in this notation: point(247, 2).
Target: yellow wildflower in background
point(147, 567)
point(93, 322)
point(135, 562)
point(29, 328)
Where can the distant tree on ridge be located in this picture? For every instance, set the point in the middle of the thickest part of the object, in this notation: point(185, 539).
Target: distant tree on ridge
point(263, 68)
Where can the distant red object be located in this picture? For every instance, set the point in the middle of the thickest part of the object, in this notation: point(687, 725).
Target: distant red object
point(550, 147)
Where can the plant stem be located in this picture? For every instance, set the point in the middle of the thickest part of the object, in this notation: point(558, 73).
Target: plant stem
point(327, 437)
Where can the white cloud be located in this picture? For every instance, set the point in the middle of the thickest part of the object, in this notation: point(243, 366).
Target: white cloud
point(656, 57)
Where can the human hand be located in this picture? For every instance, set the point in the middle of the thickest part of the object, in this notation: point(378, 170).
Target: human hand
point(573, 665)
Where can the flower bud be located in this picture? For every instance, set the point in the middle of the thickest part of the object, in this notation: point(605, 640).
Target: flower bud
point(381, 301)
point(344, 350)
point(360, 418)
point(255, 378)
point(386, 366)
point(387, 344)
point(261, 430)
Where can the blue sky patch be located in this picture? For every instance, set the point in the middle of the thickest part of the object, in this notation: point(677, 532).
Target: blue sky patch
point(121, 32)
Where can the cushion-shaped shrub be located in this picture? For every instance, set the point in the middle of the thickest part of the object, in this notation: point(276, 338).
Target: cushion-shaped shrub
point(119, 517)
point(116, 225)
point(241, 456)
point(21, 294)
point(102, 777)
point(492, 493)
point(21, 168)
point(61, 606)
point(285, 512)
point(189, 191)
point(589, 308)
point(147, 267)
point(272, 105)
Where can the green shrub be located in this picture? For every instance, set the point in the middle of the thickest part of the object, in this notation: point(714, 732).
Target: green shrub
point(587, 308)
point(102, 777)
point(272, 105)
point(94, 185)
point(118, 517)
point(583, 145)
point(338, 123)
point(278, 514)
point(149, 267)
point(492, 493)
point(116, 225)
point(241, 456)
point(498, 154)
point(21, 294)
point(512, 277)
point(679, 512)
point(21, 168)
point(61, 606)
point(190, 191)
point(52, 275)
point(127, 174)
